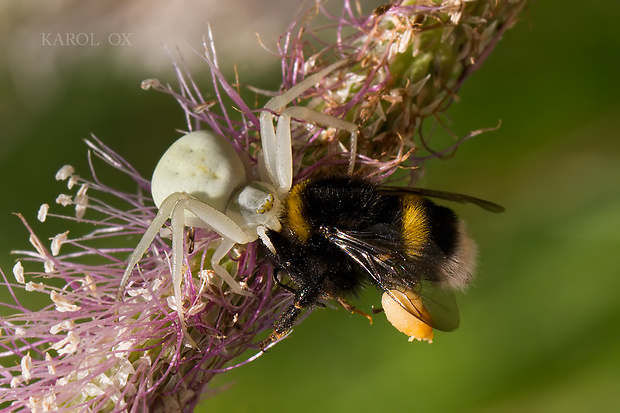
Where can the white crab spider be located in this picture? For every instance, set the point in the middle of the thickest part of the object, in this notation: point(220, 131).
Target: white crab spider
point(201, 182)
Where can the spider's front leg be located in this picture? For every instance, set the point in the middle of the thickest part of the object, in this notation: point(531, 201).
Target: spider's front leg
point(283, 129)
point(277, 144)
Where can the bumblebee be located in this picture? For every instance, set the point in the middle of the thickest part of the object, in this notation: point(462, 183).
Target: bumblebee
point(342, 233)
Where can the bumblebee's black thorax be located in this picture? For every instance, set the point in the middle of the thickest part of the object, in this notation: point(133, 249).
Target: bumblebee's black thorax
point(338, 202)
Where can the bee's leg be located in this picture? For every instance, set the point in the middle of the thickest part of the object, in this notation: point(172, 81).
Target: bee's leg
point(283, 327)
point(352, 309)
point(304, 298)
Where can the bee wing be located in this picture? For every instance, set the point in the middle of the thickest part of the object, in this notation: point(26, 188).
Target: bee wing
point(391, 270)
point(448, 196)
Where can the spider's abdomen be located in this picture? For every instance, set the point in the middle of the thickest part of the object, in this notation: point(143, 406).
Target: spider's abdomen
point(202, 164)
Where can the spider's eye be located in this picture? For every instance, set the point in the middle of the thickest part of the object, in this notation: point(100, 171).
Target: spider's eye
point(255, 204)
point(267, 204)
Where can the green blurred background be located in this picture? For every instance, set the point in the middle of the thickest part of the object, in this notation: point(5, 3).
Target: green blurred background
point(541, 325)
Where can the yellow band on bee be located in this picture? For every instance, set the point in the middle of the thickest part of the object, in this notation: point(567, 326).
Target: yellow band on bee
point(415, 230)
point(295, 214)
